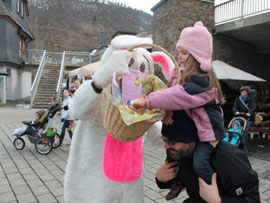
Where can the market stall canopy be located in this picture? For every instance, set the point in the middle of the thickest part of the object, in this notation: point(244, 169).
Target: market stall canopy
point(226, 72)
point(74, 72)
point(86, 70)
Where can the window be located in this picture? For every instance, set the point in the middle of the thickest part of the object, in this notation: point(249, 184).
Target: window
point(102, 39)
point(20, 8)
point(22, 44)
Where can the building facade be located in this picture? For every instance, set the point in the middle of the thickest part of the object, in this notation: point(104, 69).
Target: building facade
point(14, 39)
point(240, 35)
point(231, 46)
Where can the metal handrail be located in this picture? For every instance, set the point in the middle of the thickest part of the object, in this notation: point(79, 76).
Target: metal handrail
point(61, 75)
point(238, 9)
point(37, 78)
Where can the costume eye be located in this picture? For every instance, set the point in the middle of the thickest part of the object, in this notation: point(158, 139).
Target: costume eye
point(132, 60)
point(142, 67)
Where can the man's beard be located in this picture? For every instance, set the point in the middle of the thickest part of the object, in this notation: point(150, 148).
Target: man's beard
point(181, 154)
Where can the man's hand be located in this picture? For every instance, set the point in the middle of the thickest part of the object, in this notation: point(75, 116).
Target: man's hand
point(167, 172)
point(237, 113)
point(209, 192)
point(248, 115)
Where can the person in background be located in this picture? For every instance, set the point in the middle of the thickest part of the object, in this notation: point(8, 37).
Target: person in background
point(77, 83)
point(235, 133)
point(65, 117)
point(245, 106)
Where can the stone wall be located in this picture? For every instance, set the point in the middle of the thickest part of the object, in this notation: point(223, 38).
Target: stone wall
point(243, 56)
point(173, 15)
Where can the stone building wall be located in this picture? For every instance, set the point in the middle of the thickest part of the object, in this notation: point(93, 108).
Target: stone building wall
point(173, 15)
point(243, 56)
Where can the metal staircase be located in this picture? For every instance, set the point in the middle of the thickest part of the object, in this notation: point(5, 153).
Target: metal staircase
point(47, 86)
point(48, 83)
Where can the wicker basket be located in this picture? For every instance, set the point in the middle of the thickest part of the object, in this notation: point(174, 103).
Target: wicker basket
point(113, 122)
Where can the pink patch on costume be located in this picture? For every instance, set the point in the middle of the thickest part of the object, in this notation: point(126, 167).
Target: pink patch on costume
point(122, 161)
point(163, 62)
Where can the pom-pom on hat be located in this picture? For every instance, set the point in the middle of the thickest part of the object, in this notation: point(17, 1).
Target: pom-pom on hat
point(198, 41)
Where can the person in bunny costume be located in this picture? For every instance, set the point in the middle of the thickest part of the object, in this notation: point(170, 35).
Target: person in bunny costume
point(93, 175)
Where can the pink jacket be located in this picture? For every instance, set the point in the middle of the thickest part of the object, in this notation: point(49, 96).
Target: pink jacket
point(200, 104)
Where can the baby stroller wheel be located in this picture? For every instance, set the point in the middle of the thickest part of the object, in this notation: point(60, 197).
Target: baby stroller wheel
point(19, 143)
point(43, 145)
point(56, 142)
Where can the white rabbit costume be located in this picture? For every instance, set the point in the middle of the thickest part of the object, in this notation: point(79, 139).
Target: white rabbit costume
point(85, 181)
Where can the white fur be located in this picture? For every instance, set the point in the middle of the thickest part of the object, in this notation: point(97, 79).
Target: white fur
point(141, 55)
point(106, 55)
point(84, 179)
point(127, 41)
point(153, 135)
point(117, 62)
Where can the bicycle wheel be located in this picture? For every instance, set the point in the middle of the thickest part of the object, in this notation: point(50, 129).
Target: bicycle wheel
point(18, 143)
point(56, 142)
point(43, 145)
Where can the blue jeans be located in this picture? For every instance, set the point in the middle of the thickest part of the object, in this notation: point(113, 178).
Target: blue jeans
point(245, 136)
point(65, 125)
point(201, 161)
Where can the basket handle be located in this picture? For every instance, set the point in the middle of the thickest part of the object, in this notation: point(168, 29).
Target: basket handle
point(161, 49)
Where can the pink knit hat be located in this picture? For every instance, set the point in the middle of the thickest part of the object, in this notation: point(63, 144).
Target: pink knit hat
point(198, 41)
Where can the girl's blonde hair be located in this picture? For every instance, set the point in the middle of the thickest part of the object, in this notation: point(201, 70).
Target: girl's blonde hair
point(193, 68)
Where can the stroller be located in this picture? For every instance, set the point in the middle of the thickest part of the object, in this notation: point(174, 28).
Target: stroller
point(43, 135)
point(235, 136)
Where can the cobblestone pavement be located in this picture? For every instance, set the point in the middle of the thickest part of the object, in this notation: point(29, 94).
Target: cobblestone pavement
point(26, 176)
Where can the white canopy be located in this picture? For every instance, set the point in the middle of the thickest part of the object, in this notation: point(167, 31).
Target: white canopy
point(226, 72)
point(86, 70)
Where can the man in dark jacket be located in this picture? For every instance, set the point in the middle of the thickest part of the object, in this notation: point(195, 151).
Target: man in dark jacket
point(235, 180)
point(245, 105)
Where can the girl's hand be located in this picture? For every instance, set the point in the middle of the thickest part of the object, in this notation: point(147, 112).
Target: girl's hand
point(139, 105)
point(168, 118)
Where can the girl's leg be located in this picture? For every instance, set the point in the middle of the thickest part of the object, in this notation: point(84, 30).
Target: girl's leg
point(63, 131)
point(201, 161)
point(69, 129)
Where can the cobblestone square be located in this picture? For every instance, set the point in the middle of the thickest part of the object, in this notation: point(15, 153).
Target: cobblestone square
point(26, 176)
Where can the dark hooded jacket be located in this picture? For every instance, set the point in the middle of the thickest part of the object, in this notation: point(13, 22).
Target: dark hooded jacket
point(237, 181)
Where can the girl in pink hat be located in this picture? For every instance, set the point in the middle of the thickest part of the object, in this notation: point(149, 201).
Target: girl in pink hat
point(198, 93)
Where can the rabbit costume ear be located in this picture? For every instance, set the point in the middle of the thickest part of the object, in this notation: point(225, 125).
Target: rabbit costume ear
point(164, 61)
point(123, 42)
point(127, 41)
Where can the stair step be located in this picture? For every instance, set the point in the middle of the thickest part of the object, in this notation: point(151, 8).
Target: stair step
point(46, 89)
point(47, 86)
